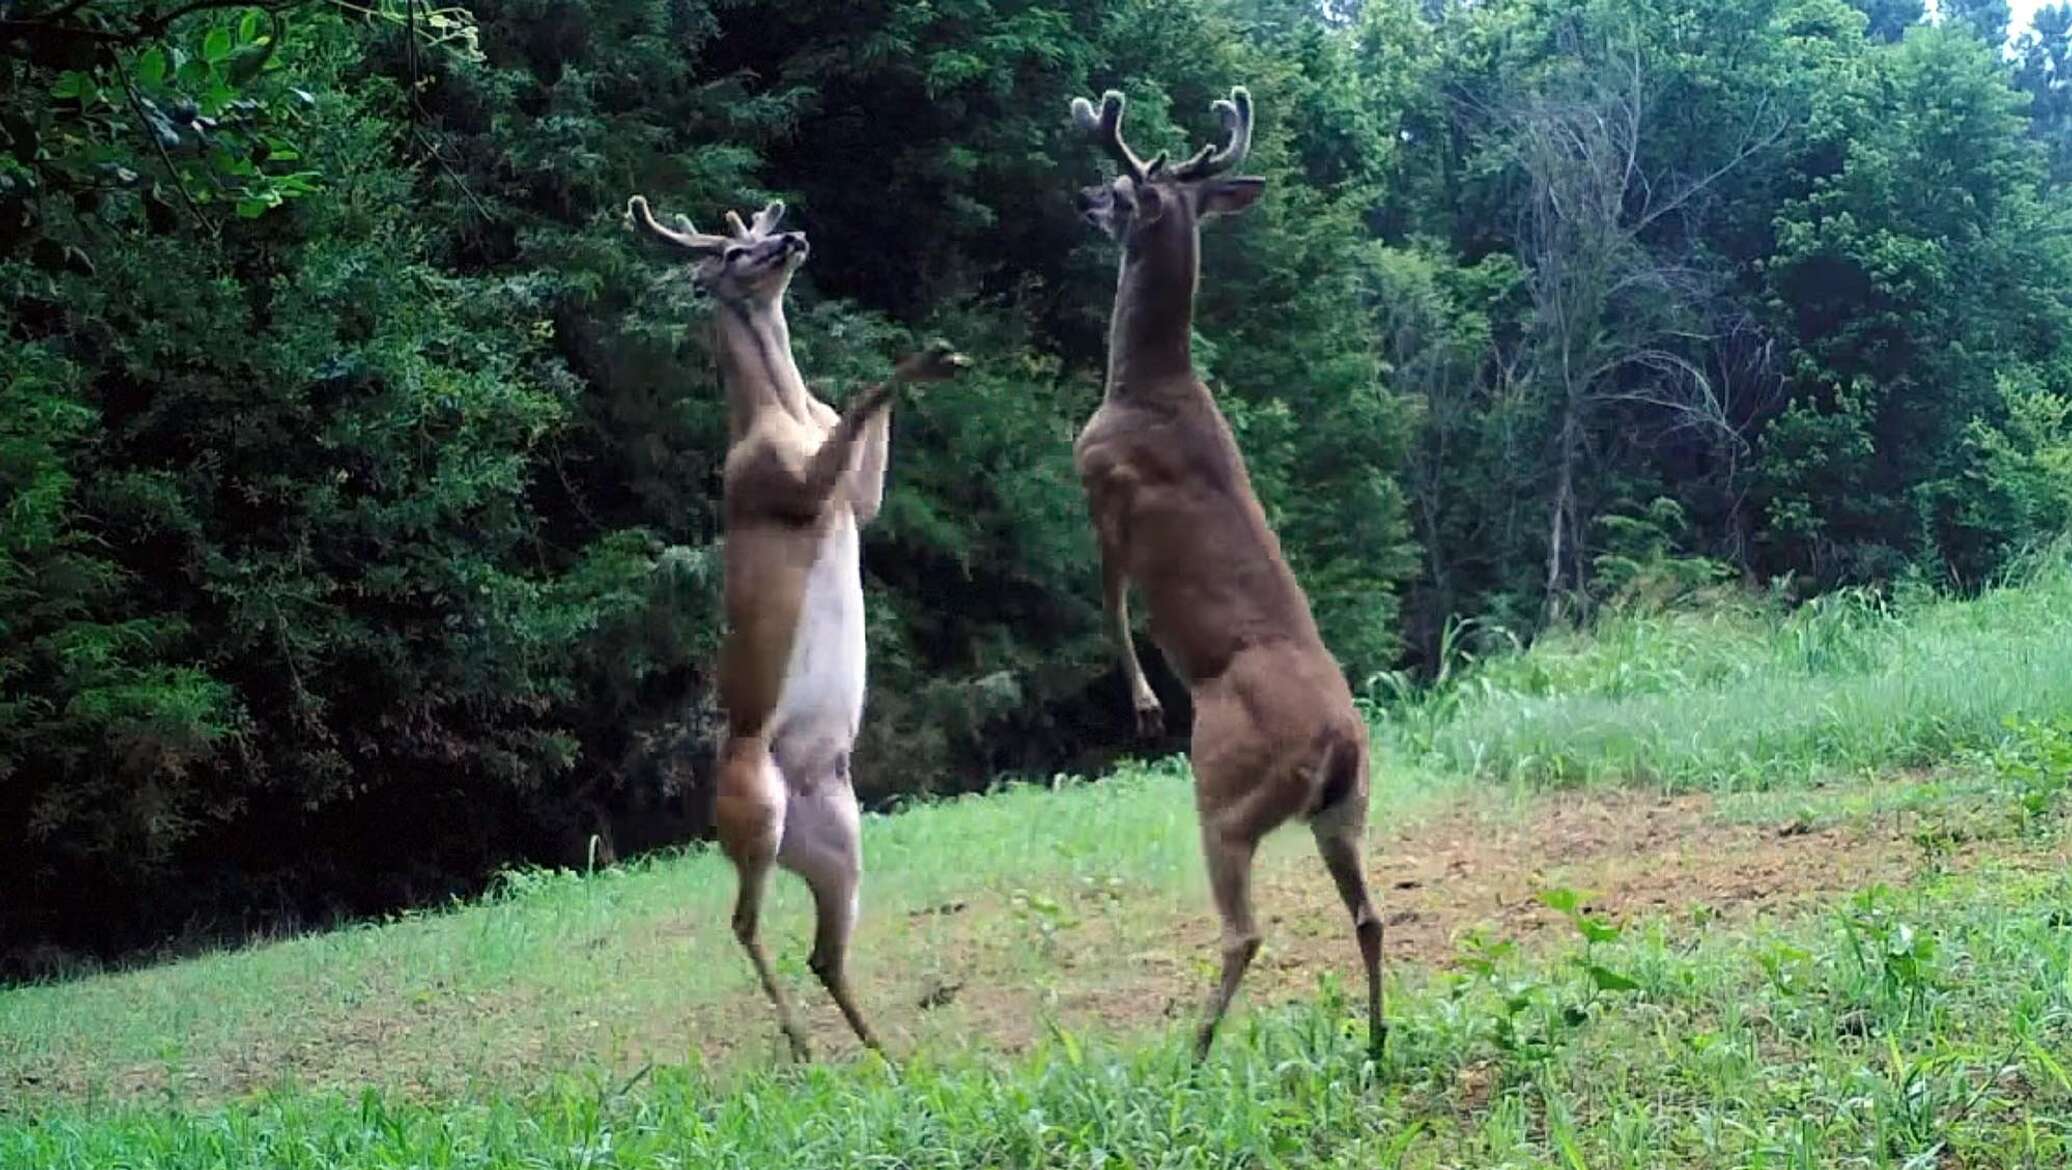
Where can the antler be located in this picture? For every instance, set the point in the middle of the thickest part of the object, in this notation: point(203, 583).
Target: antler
point(1105, 128)
point(683, 236)
point(763, 224)
point(1211, 161)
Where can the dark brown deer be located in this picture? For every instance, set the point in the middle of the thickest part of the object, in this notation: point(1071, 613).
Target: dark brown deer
point(1275, 732)
point(799, 483)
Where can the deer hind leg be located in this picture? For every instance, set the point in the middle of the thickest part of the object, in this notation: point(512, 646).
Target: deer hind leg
point(822, 845)
point(1341, 831)
point(749, 815)
point(1229, 856)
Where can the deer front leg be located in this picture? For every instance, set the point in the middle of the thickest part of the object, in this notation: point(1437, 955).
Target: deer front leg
point(935, 363)
point(867, 478)
point(866, 424)
point(824, 471)
point(1114, 539)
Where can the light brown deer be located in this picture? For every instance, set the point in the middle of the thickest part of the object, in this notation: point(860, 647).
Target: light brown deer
point(1275, 733)
point(799, 482)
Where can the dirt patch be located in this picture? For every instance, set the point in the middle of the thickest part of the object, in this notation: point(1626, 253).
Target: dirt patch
point(1436, 880)
point(983, 973)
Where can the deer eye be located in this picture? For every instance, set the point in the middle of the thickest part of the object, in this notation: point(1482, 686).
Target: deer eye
point(733, 254)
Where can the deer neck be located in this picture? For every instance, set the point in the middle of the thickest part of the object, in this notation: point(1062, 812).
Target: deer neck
point(756, 365)
point(1151, 334)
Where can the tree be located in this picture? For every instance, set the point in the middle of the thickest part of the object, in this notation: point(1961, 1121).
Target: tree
point(1613, 321)
point(1936, 191)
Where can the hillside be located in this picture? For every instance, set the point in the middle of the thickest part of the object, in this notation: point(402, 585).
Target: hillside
point(1835, 937)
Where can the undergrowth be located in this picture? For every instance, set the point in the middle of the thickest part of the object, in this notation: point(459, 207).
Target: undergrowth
point(1923, 1026)
point(1750, 694)
point(1903, 1028)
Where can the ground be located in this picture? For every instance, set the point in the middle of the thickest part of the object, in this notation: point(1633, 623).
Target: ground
point(646, 979)
point(1736, 889)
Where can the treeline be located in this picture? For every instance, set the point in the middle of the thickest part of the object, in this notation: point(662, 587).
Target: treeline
point(358, 470)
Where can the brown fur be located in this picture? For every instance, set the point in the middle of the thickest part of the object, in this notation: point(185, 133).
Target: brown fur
point(1275, 732)
point(799, 480)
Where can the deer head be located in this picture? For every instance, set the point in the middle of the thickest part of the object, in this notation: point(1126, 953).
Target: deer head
point(1153, 199)
point(752, 263)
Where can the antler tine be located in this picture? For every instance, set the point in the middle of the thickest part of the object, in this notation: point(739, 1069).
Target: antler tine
point(767, 219)
point(1106, 130)
point(685, 237)
point(1236, 116)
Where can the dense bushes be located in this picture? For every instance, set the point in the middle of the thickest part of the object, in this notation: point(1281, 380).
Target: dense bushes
point(357, 470)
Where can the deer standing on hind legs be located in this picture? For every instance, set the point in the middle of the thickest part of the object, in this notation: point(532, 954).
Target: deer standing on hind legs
point(1275, 732)
point(799, 482)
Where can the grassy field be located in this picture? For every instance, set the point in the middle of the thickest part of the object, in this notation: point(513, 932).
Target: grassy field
point(1741, 889)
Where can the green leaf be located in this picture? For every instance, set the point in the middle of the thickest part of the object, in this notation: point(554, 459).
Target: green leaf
point(150, 68)
point(2050, 1065)
point(216, 46)
point(248, 28)
point(1561, 899)
point(254, 208)
point(246, 63)
point(72, 84)
point(1607, 979)
point(1597, 930)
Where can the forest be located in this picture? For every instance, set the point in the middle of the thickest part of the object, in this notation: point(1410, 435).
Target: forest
point(359, 468)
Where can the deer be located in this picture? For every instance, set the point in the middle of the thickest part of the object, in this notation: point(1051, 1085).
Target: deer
point(799, 482)
point(1275, 734)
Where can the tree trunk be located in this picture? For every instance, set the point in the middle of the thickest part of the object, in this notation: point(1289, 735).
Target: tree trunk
point(1558, 517)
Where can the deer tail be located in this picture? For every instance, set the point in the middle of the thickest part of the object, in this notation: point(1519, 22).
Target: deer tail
point(1340, 769)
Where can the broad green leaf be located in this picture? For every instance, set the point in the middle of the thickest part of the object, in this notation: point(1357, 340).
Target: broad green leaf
point(216, 46)
point(1597, 930)
point(246, 63)
point(151, 68)
point(1607, 979)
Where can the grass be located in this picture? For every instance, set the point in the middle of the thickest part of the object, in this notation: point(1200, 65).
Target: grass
point(606, 1020)
point(1918, 1027)
point(482, 992)
point(1753, 695)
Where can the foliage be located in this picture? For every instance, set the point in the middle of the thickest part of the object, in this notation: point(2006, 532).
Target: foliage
point(1909, 1024)
point(1754, 695)
point(360, 469)
point(2036, 760)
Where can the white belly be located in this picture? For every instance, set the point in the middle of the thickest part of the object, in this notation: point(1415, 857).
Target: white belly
point(821, 702)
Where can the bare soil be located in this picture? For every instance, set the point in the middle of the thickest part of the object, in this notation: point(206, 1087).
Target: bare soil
point(1636, 855)
point(985, 974)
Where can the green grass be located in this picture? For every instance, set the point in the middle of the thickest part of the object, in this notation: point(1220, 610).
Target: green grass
point(481, 993)
point(1755, 696)
point(1922, 1026)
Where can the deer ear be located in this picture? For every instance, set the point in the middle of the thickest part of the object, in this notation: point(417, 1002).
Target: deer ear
point(1230, 196)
